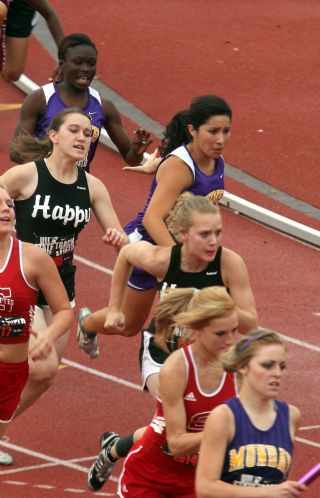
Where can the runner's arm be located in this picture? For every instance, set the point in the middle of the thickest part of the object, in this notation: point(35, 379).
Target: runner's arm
point(173, 178)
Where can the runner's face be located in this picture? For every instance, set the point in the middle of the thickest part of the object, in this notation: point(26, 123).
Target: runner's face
point(202, 238)
point(219, 334)
point(212, 136)
point(79, 66)
point(74, 136)
point(264, 372)
point(6, 213)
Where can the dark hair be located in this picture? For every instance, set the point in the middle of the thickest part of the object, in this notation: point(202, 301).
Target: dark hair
point(74, 40)
point(201, 109)
point(32, 148)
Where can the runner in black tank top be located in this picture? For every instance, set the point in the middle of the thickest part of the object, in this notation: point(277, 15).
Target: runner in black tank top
point(53, 217)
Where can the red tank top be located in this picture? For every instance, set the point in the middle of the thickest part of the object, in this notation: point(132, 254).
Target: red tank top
point(197, 404)
point(17, 298)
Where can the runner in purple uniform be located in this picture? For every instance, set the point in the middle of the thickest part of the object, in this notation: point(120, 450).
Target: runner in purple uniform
point(77, 62)
point(192, 161)
point(247, 445)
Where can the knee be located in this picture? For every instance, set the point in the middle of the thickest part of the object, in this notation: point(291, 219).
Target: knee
point(11, 74)
point(130, 331)
point(43, 372)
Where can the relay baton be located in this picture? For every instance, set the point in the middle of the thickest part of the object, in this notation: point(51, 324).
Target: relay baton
point(310, 476)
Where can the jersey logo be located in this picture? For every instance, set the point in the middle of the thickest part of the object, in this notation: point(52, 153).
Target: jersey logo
point(67, 214)
point(158, 424)
point(211, 272)
point(215, 196)
point(197, 421)
point(190, 397)
point(6, 301)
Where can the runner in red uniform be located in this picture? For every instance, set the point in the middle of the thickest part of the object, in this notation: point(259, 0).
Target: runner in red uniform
point(24, 270)
point(192, 382)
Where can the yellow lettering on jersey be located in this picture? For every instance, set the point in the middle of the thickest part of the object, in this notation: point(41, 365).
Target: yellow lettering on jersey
point(215, 196)
point(95, 134)
point(284, 463)
point(250, 455)
point(272, 455)
point(261, 455)
point(236, 459)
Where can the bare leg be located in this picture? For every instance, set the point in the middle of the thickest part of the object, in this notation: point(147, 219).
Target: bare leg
point(41, 372)
point(16, 54)
point(3, 428)
point(136, 308)
point(152, 384)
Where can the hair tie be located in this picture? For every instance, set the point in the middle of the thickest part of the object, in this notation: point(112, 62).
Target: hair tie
point(249, 340)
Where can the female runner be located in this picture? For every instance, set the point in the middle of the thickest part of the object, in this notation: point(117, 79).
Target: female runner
point(77, 56)
point(194, 142)
point(53, 198)
point(247, 445)
point(192, 382)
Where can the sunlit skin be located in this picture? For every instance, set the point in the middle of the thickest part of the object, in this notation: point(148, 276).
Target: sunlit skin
point(200, 241)
point(217, 336)
point(73, 137)
point(263, 374)
point(210, 139)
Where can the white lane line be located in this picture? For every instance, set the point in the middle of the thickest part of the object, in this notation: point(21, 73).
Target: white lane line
point(11, 470)
point(46, 486)
point(43, 486)
point(54, 461)
point(73, 490)
point(96, 266)
point(16, 483)
point(307, 441)
point(104, 375)
point(103, 269)
point(309, 427)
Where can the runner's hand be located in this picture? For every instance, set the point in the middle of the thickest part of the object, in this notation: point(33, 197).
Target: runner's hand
point(149, 167)
point(141, 141)
point(115, 320)
point(115, 237)
point(42, 347)
point(287, 489)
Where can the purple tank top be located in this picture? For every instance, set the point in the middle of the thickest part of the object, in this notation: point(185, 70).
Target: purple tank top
point(55, 104)
point(211, 186)
point(256, 457)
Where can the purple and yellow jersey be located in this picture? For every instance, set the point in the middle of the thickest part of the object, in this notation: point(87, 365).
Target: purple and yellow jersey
point(211, 186)
point(258, 457)
point(93, 108)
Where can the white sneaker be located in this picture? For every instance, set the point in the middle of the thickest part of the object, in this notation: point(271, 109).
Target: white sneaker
point(87, 341)
point(5, 458)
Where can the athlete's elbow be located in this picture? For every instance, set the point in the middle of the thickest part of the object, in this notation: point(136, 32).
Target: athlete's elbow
point(203, 490)
point(174, 447)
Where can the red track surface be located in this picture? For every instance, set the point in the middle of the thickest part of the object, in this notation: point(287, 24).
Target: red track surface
point(67, 422)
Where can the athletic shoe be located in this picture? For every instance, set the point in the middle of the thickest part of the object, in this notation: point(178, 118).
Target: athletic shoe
point(5, 458)
point(101, 470)
point(86, 340)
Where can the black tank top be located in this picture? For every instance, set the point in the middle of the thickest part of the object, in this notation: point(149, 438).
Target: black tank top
point(175, 277)
point(54, 215)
